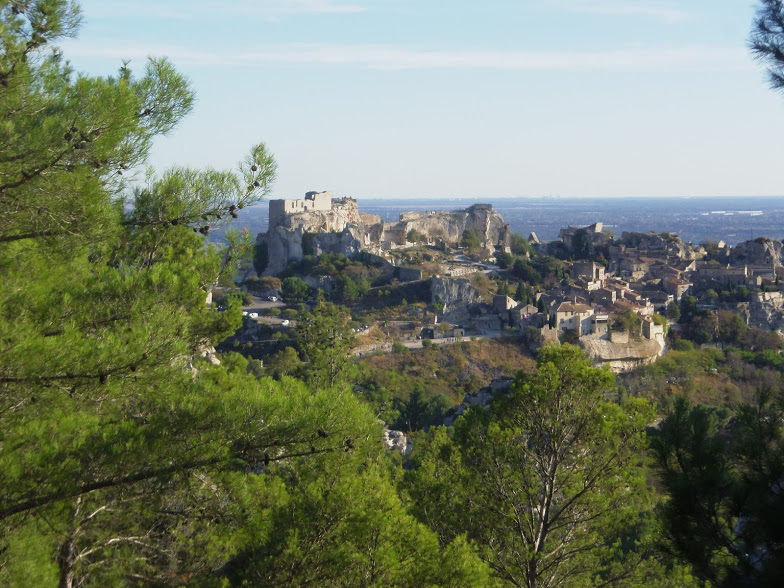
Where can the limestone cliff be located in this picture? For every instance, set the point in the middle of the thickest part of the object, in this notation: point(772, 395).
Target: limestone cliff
point(336, 225)
point(455, 293)
point(761, 251)
point(449, 226)
point(622, 356)
point(668, 243)
point(765, 310)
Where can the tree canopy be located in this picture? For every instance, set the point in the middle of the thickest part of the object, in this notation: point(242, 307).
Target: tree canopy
point(547, 478)
point(767, 40)
point(126, 457)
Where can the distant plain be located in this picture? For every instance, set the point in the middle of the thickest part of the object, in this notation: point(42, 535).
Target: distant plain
point(726, 218)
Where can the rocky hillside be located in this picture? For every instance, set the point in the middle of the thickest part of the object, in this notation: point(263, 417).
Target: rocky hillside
point(622, 356)
point(344, 229)
point(761, 251)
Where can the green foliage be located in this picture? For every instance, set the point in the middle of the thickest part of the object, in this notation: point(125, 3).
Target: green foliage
point(295, 290)
point(724, 512)
point(759, 340)
point(308, 243)
point(524, 270)
point(325, 340)
point(419, 411)
point(673, 312)
point(547, 481)
point(519, 245)
point(521, 294)
point(731, 326)
point(348, 289)
point(414, 236)
point(503, 259)
point(124, 458)
point(398, 347)
point(260, 257)
point(766, 39)
point(342, 523)
point(580, 244)
point(628, 321)
point(470, 240)
point(283, 363)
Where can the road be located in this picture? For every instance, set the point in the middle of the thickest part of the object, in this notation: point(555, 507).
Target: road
point(259, 305)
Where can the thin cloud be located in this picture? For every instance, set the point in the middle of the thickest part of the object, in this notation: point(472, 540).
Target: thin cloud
point(659, 10)
point(201, 9)
point(390, 58)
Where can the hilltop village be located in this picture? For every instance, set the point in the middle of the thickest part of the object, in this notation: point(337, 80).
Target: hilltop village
point(442, 277)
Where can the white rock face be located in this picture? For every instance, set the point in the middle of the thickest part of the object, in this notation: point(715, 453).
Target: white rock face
point(655, 242)
point(453, 293)
point(766, 311)
point(344, 229)
point(397, 441)
point(760, 251)
point(622, 357)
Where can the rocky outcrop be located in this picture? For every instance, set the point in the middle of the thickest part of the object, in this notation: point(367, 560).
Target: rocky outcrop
point(665, 242)
point(297, 227)
point(765, 310)
point(449, 226)
point(761, 251)
point(397, 441)
point(622, 357)
point(454, 294)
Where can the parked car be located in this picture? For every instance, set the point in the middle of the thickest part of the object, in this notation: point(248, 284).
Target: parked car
point(272, 298)
point(285, 322)
point(253, 314)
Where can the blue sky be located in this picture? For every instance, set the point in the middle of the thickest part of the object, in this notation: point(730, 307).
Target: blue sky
point(471, 99)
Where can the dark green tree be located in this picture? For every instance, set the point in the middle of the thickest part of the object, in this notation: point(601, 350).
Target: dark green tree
point(295, 290)
point(470, 240)
point(521, 295)
point(673, 312)
point(731, 326)
point(343, 524)
point(326, 342)
point(767, 40)
point(524, 270)
point(283, 363)
point(724, 510)
point(503, 259)
point(414, 236)
point(519, 245)
point(580, 244)
point(260, 256)
point(346, 289)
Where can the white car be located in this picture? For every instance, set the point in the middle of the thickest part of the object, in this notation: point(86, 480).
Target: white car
point(272, 298)
point(253, 314)
point(285, 322)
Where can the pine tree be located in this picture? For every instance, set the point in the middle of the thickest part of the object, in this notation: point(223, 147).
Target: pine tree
point(122, 453)
point(546, 481)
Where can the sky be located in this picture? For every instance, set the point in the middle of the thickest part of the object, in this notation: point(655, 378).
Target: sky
point(461, 98)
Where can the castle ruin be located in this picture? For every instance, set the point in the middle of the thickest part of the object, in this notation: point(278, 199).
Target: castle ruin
point(338, 226)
